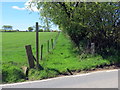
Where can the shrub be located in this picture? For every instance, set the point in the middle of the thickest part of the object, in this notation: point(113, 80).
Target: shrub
point(11, 74)
point(41, 30)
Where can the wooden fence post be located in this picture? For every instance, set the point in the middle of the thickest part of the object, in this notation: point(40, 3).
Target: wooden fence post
point(52, 43)
point(37, 45)
point(30, 56)
point(48, 46)
point(41, 52)
point(92, 48)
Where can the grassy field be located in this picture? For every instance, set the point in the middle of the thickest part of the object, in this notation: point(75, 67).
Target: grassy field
point(55, 63)
point(13, 44)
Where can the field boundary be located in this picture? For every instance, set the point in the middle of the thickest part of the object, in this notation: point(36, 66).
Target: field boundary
point(39, 55)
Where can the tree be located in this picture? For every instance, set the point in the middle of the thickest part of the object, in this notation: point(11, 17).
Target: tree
point(30, 29)
point(86, 22)
point(47, 22)
point(7, 27)
point(40, 30)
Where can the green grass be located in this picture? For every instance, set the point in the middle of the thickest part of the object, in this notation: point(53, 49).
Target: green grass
point(14, 54)
point(13, 44)
point(61, 58)
point(12, 73)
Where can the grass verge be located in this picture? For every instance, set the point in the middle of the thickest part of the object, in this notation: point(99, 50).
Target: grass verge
point(63, 58)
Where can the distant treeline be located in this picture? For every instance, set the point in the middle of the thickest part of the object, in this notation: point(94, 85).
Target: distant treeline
point(41, 30)
point(2, 30)
point(26, 31)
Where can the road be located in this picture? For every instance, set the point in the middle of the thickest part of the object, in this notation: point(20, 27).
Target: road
point(99, 79)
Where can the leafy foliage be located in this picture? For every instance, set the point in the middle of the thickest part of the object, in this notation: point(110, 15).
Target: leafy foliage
point(7, 27)
point(40, 30)
point(89, 22)
point(30, 28)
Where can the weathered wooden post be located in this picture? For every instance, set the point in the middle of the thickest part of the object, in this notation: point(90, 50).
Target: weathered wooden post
point(37, 45)
point(48, 46)
point(92, 48)
point(52, 43)
point(41, 52)
point(30, 56)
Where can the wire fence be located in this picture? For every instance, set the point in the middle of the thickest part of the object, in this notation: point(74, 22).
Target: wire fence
point(41, 50)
